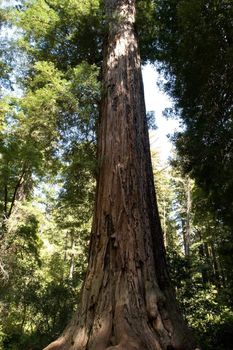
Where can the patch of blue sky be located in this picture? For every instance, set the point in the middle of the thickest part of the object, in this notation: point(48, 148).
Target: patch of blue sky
point(157, 101)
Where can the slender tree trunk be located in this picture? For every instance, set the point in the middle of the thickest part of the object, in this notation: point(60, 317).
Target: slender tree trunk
point(71, 270)
point(127, 302)
point(164, 223)
point(188, 219)
point(186, 223)
point(215, 265)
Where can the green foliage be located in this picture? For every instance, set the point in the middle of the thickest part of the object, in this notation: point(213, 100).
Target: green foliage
point(202, 302)
point(146, 28)
point(211, 321)
point(201, 275)
point(44, 254)
point(48, 136)
point(4, 46)
point(64, 32)
point(194, 49)
point(40, 292)
point(166, 195)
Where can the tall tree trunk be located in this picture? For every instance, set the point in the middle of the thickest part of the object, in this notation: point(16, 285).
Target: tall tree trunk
point(127, 302)
point(186, 222)
point(188, 218)
point(72, 244)
point(215, 264)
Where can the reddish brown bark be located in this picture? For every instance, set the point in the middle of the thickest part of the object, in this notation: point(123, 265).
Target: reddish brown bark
point(127, 302)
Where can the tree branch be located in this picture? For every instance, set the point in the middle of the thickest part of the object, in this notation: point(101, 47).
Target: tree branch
point(16, 191)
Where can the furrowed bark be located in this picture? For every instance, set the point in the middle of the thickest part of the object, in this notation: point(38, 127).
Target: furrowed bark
point(127, 302)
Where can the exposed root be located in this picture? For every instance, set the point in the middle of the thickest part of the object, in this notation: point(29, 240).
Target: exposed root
point(59, 344)
point(124, 346)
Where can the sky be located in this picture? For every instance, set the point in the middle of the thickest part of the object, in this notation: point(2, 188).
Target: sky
point(157, 101)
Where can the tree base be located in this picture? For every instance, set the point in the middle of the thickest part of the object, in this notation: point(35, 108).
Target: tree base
point(149, 325)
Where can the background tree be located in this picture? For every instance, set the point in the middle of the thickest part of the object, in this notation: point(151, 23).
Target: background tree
point(194, 48)
point(40, 132)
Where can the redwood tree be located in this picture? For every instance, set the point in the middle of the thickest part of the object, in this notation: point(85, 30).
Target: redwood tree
point(127, 302)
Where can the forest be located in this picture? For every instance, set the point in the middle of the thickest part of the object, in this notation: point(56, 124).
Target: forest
point(59, 73)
